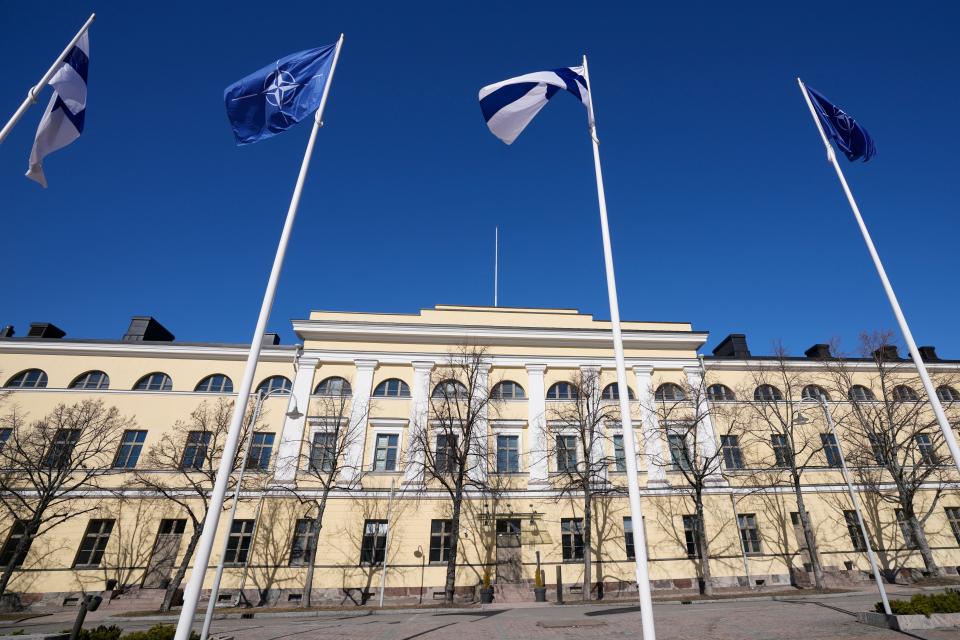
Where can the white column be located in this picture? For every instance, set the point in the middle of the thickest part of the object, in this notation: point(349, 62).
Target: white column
point(652, 440)
point(706, 435)
point(597, 452)
point(291, 438)
point(536, 424)
point(359, 414)
point(419, 413)
point(479, 464)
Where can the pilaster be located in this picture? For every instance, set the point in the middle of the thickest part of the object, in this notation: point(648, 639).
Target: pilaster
point(650, 426)
point(291, 437)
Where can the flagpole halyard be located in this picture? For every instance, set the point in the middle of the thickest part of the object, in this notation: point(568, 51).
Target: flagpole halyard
point(37, 88)
point(191, 594)
point(888, 288)
point(629, 445)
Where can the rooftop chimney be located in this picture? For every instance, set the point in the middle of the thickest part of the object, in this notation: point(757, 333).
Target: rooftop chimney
point(887, 353)
point(44, 330)
point(270, 340)
point(146, 329)
point(819, 352)
point(928, 354)
point(733, 346)
point(7, 331)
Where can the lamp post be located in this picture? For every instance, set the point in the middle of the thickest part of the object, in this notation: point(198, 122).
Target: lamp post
point(800, 419)
point(215, 588)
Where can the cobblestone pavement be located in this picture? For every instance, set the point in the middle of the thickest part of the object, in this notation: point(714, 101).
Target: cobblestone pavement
point(807, 619)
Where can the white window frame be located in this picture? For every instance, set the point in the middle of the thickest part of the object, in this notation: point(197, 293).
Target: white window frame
point(386, 426)
point(510, 428)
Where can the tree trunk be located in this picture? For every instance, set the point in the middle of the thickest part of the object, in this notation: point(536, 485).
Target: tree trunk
point(920, 537)
point(449, 586)
point(312, 548)
point(177, 579)
point(10, 568)
point(704, 548)
point(808, 537)
point(587, 555)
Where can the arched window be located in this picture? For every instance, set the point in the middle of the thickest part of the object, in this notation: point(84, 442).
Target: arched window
point(156, 381)
point(91, 380)
point(720, 393)
point(392, 388)
point(768, 393)
point(333, 386)
point(273, 383)
point(903, 393)
point(814, 392)
point(507, 390)
point(451, 390)
point(669, 392)
point(860, 393)
point(562, 391)
point(612, 392)
point(946, 393)
point(29, 379)
point(217, 383)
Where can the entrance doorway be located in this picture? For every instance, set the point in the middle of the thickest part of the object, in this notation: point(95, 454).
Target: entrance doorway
point(509, 565)
point(164, 554)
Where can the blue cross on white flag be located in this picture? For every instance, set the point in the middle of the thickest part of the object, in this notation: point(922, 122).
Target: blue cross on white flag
point(509, 106)
point(62, 122)
point(278, 96)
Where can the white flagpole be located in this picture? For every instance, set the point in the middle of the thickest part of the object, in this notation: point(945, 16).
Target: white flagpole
point(34, 90)
point(496, 264)
point(205, 545)
point(629, 447)
point(888, 288)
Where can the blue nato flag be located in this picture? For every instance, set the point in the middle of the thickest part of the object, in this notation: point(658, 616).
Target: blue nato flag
point(849, 135)
point(278, 96)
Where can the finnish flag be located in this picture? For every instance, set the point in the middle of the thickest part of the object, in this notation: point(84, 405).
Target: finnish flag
point(62, 122)
point(509, 106)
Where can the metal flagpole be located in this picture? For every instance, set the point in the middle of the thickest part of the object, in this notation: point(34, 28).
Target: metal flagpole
point(901, 320)
point(856, 506)
point(496, 263)
point(34, 90)
point(629, 447)
point(204, 547)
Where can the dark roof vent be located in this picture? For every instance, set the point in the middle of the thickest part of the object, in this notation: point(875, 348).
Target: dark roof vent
point(146, 329)
point(45, 330)
point(819, 352)
point(7, 331)
point(270, 340)
point(928, 354)
point(733, 346)
point(887, 353)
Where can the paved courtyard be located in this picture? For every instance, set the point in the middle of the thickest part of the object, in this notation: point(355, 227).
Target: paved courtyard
point(735, 620)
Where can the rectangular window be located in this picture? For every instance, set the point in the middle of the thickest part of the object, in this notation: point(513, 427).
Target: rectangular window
point(440, 540)
point(61, 449)
point(8, 554)
point(508, 454)
point(446, 456)
point(238, 545)
point(749, 533)
point(571, 533)
point(322, 451)
point(908, 540)
point(876, 447)
point(172, 526)
point(732, 455)
point(94, 542)
point(690, 536)
point(854, 531)
point(679, 454)
point(301, 548)
point(628, 537)
point(619, 455)
point(830, 449)
point(782, 455)
point(953, 516)
point(261, 448)
point(195, 451)
point(131, 444)
point(385, 454)
point(925, 446)
point(4, 436)
point(567, 454)
point(373, 548)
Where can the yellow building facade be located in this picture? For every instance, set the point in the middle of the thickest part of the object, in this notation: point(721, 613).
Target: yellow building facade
point(383, 527)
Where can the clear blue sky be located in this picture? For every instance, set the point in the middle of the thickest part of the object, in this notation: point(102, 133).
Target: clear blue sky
point(723, 210)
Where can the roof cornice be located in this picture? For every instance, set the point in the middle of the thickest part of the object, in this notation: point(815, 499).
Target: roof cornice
point(145, 350)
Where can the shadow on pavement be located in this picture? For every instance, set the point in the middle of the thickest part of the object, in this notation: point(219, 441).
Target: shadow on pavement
point(610, 612)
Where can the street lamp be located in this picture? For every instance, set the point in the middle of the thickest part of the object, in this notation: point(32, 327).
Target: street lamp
point(292, 413)
point(799, 418)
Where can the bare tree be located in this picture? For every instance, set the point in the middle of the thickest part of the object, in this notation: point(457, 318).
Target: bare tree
point(577, 447)
point(329, 464)
point(46, 464)
point(182, 467)
point(450, 450)
point(896, 435)
point(769, 406)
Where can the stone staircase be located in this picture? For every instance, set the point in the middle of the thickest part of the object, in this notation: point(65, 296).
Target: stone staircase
point(512, 592)
point(133, 599)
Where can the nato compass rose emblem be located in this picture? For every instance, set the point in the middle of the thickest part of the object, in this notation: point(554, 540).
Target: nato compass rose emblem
point(279, 90)
point(843, 121)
